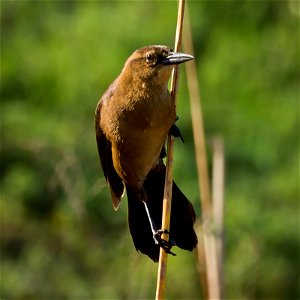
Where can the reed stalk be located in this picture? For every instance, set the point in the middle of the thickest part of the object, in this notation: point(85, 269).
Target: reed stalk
point(209, 261)
point(166, 214)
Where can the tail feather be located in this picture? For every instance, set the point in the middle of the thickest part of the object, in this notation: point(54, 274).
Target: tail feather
point(182, 215)
point(140, 227)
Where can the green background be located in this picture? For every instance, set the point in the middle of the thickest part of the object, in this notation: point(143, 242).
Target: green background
point(60, 238)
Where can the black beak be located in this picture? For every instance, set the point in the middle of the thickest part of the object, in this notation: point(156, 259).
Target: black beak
point(176, 58)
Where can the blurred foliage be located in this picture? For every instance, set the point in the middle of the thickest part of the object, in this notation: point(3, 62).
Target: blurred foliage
point(60, 237)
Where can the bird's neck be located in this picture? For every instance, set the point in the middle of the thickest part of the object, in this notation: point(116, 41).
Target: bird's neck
point(134, 87)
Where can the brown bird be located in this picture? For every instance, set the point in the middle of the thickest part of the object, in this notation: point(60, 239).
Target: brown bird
point(132, 121)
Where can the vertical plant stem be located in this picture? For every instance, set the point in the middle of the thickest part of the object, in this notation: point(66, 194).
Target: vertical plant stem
point(201, 261)
point(166, 214)
point(218, 201)
point(211, 262)
point(163, 256)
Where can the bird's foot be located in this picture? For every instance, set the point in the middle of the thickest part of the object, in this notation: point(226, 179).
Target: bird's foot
point(166, 245)
point(175, 131)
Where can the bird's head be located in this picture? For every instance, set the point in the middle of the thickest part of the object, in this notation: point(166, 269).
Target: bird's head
point(154, 63)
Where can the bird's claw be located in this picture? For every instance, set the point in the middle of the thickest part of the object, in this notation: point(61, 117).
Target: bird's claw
point(166, 245)
point(175, 131)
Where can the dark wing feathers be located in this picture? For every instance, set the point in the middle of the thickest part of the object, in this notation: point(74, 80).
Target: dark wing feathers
point(104, 149)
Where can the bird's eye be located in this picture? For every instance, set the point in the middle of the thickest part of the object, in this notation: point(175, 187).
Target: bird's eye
point(149, 57)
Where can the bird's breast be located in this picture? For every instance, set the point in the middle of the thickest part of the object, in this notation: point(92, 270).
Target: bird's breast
point(139, 132)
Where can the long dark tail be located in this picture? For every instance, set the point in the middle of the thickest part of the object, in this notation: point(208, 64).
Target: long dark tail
point(182, 215)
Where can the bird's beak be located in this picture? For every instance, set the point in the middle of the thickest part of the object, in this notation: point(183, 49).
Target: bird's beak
point(176, 58)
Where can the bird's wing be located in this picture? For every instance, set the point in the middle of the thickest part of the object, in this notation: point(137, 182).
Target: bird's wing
point(104, 149)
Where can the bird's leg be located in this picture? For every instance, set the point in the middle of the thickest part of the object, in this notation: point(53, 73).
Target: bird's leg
point(166, 245)
point(175, 131)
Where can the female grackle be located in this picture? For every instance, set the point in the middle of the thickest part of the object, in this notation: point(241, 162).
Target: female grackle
point(132, 121)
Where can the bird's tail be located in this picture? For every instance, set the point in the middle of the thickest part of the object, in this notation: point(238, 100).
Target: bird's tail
point(182, 215)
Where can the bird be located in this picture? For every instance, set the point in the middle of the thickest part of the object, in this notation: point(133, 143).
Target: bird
point(132, 121)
